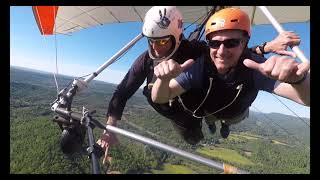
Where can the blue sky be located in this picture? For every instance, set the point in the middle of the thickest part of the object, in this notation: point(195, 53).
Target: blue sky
point(84, 51)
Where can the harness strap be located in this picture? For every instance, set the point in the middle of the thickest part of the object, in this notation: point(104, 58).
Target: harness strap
point(239, 88)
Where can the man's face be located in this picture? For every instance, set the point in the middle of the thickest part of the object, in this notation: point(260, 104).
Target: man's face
point(226, 47)
point(160, 47)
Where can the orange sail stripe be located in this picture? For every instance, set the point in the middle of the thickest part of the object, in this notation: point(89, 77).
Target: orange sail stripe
point(45, 17)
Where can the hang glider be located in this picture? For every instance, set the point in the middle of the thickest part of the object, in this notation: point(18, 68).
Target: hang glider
point(70, 19)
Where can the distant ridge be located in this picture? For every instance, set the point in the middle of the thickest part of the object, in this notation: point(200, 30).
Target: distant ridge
point(50, 73)
point(29, 69)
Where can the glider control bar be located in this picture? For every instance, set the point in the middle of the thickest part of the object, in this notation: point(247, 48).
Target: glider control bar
point(225, 167)
point(228, 169)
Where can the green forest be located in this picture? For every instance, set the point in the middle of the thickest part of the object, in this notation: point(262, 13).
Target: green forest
point(262, 144)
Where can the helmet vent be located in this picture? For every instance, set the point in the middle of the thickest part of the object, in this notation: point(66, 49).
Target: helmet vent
point(234, 20)
point(214, 23)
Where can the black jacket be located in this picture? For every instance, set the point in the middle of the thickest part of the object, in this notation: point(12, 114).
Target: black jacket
point(224, 90)
point(143, 69)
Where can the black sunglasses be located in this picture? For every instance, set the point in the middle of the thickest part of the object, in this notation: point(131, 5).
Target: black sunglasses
point(229, 43)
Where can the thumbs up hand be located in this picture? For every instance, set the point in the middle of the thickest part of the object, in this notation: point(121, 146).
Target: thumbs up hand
point(167, 70)
point(281, 68)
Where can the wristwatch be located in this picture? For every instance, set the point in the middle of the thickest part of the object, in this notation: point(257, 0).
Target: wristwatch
point(261, 48)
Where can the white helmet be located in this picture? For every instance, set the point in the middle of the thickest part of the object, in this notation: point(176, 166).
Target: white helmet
point(161, 22)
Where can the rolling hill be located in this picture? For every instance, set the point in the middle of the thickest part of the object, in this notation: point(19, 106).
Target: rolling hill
point(263, 143)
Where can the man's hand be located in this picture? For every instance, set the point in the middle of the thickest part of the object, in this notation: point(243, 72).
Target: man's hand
point(282, 68)
point(108, 139)
point(280, 44)
point(167, 70)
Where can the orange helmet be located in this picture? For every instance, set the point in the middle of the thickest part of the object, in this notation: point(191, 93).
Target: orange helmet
point(228, 18)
